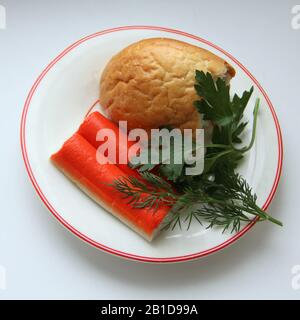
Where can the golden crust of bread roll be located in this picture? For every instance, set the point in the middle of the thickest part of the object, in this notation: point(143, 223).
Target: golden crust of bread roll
point(151, 83)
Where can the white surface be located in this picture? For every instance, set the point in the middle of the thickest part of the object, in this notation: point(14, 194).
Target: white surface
point(59, 105)
point(43, 260)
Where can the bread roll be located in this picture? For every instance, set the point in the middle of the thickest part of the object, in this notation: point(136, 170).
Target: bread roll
point(151, 83)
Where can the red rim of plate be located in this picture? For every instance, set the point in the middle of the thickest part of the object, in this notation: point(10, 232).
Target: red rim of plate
point(106, 248)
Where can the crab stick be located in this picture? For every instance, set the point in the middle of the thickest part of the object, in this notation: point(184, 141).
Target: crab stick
point(90, 128)
point(77, 160)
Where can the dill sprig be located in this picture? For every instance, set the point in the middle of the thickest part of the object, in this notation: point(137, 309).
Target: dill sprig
point(226, 205)
point(222, 205)
point(149, 194)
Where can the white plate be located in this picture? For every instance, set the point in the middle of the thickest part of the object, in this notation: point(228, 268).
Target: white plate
point(57, 104)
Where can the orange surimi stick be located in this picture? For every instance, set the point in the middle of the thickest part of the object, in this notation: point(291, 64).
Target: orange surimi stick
point(95, 122)
point(77, 160)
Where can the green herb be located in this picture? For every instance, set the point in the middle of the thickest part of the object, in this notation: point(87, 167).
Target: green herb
point(216, 105)
point(171, 170)
point(145, 195)
point(218, 196)
point(227, 115)
point(223, 205)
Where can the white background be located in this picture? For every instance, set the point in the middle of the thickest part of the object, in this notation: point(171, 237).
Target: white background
point(42, 259)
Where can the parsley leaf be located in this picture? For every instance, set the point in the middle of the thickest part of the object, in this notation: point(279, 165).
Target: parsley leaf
point(216, 105)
